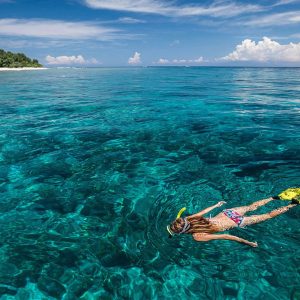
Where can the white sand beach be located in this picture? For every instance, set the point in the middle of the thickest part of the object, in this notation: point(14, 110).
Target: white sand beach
point(22, 69)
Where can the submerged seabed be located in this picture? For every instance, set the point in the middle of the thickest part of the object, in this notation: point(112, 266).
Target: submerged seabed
point(95, 162)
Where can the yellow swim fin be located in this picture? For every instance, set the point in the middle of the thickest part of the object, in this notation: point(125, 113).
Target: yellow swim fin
point(290, 194)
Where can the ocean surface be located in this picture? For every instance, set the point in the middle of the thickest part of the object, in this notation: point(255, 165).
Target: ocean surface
point(94, 163)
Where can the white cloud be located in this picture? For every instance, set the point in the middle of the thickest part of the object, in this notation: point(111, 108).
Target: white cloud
point(175, 43)
point(65, 60)
point(69, 60)
point(179, 61)
point(219, 8)
point(199, 60)
point(93, 61)
point(285, 2)
point(128, 20)
point(265, 51)
point(135, 59)
point(164, 61)
point(7, 42)
point(292, 17)
point(57, 29)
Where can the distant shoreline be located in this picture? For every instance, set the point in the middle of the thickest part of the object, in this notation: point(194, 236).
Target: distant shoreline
point(22, 69)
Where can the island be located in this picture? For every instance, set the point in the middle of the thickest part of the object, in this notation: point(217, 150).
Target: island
point(10, 60)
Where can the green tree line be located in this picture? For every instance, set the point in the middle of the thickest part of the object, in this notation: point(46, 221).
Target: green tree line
point(16, 60)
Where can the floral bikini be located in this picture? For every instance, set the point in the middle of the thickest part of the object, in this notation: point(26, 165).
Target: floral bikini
point(234, 216)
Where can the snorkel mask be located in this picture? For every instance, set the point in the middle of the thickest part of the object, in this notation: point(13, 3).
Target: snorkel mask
point(186, 224)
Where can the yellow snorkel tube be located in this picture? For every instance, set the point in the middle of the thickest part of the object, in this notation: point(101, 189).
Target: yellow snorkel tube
point(178, 216)
point(180, 213)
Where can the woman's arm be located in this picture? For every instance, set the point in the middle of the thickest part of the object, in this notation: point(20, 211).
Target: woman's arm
point(207, 210)
point(209, 237)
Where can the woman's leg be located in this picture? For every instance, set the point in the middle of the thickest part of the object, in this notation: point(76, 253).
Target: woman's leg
point(255, 205)
point(260, 218)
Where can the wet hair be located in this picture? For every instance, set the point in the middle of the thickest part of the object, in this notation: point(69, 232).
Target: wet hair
point(197, 225)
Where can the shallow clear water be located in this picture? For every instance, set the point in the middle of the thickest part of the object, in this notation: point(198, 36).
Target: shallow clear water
point(94, 164)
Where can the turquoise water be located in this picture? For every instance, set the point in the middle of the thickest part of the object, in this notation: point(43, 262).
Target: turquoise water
point(94, 163)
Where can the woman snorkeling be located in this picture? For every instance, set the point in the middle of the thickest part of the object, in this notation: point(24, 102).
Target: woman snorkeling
point(204, 229)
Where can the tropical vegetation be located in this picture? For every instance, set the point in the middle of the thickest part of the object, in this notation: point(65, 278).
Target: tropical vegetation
point(16, 60)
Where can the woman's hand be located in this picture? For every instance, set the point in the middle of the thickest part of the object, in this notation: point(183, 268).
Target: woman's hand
point(220, 203)
point(253, 244)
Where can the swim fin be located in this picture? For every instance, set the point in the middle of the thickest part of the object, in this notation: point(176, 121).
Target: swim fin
point(290, 194)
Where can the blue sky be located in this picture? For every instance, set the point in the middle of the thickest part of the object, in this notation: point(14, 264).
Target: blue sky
point(153, 32)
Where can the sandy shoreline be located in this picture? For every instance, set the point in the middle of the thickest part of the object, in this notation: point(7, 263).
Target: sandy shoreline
point(21, 69)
